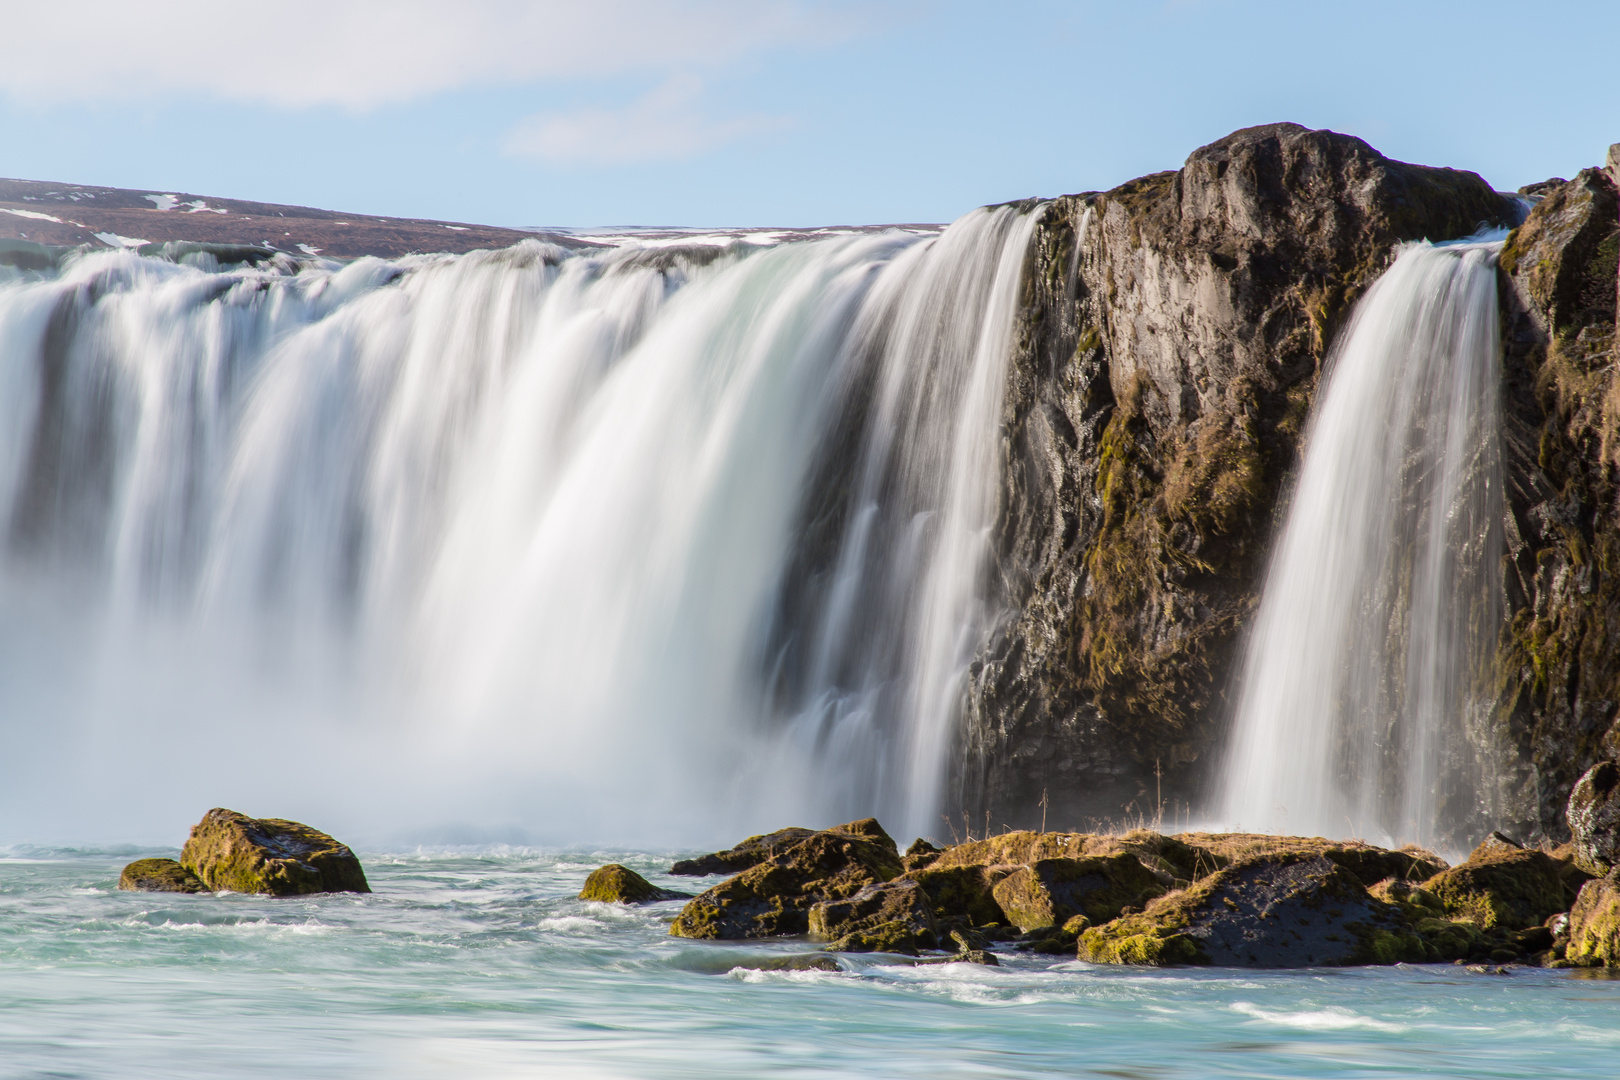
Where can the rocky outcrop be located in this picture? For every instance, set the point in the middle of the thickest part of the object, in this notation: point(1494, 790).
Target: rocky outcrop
point(1594, 925)
point(895, 916)
point(159, 875)
point(1510, 888)
point(1170, 340)
point(1049, 892)
point(618, 884)
point(1558, 663)
point(231, 851)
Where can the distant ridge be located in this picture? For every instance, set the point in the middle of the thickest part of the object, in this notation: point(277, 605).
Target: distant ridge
point(73, 214)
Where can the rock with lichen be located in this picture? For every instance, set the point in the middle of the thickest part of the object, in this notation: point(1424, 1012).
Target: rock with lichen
point(159, 875)
point(750, 852)
point(618, 884)
point(231, 851)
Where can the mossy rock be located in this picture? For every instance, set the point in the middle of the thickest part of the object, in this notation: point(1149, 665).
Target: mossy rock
point(961, 895)
point(775, 896)
point(159, 875)
point(894, 916)
point(1594, 818)
point(920, 854)
point(232, 852)
point(1502, 887)
point(1050, 892)
point(617, 884)
point(1594, 925)
point(1291, 909)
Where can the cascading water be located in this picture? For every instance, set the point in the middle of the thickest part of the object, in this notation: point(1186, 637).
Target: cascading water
point(1379, 614)
point(653, 544)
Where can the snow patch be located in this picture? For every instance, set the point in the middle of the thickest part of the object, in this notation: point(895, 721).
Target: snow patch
point(163, 202)
point(307, 250)
point(199, 206)
point(458, 228)
point(35, 214)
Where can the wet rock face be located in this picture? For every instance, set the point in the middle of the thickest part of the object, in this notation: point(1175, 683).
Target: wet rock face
point(1272, 911)
point(231, 851)
point(617, 884)
point(1558, 659)
point(1168, 350)
point(159, 875)
point(1594, 817)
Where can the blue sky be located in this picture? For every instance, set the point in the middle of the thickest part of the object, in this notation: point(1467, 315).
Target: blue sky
point(770, 112)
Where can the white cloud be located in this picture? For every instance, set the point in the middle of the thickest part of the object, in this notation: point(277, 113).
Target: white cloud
point(663, 125)
point(359, 54)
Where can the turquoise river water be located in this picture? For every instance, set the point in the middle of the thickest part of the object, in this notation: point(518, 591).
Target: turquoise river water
point(480, 963)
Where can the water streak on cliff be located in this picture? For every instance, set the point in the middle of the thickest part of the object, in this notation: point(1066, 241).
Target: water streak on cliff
point(1356, 714)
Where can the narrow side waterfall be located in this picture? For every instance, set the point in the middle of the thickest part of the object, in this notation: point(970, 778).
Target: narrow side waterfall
point(654, 544)
point(1379, 615)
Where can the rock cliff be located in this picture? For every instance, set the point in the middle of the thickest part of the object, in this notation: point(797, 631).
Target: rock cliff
point(1171, 337)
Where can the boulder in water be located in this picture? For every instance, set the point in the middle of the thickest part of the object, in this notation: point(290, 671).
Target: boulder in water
point(891, 916)
point(751, 852)
point(961, 896)
point(775, 896)
point(231, 851)
point(1502, 887)
point(1286, 910)
point(1594, 817)
point(159, 875)
point(618, 884)
point(1050, 892)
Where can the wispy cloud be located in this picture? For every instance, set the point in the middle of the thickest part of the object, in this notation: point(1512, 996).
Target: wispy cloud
point(359, 54)
point(666, 124)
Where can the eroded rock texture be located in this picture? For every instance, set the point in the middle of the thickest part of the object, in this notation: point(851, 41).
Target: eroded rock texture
point(1170, 342)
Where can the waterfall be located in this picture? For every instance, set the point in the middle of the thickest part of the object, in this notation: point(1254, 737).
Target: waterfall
point(652, 544)
point(1378, 617)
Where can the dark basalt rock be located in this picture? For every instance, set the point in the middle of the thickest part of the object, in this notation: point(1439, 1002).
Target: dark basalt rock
point(618, 884)
point(1594, 817)
point(775, 896)
point(159, 875)
point(231, 851)
point(1289, 910)
point(1169, 343)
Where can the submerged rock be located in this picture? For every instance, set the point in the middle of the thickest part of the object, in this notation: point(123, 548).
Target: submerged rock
point(893, 916)
point(231, 851)
point(159, 875)
point(1594, 817)
point(775, 896)
point(617, 884)
point(1050, 892)
point(1287, 910)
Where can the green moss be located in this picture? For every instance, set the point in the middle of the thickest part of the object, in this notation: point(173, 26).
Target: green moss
point(159, 875)
point(1134, 941)
point(1511, 889)
point(232, 852)
point(617, 884)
